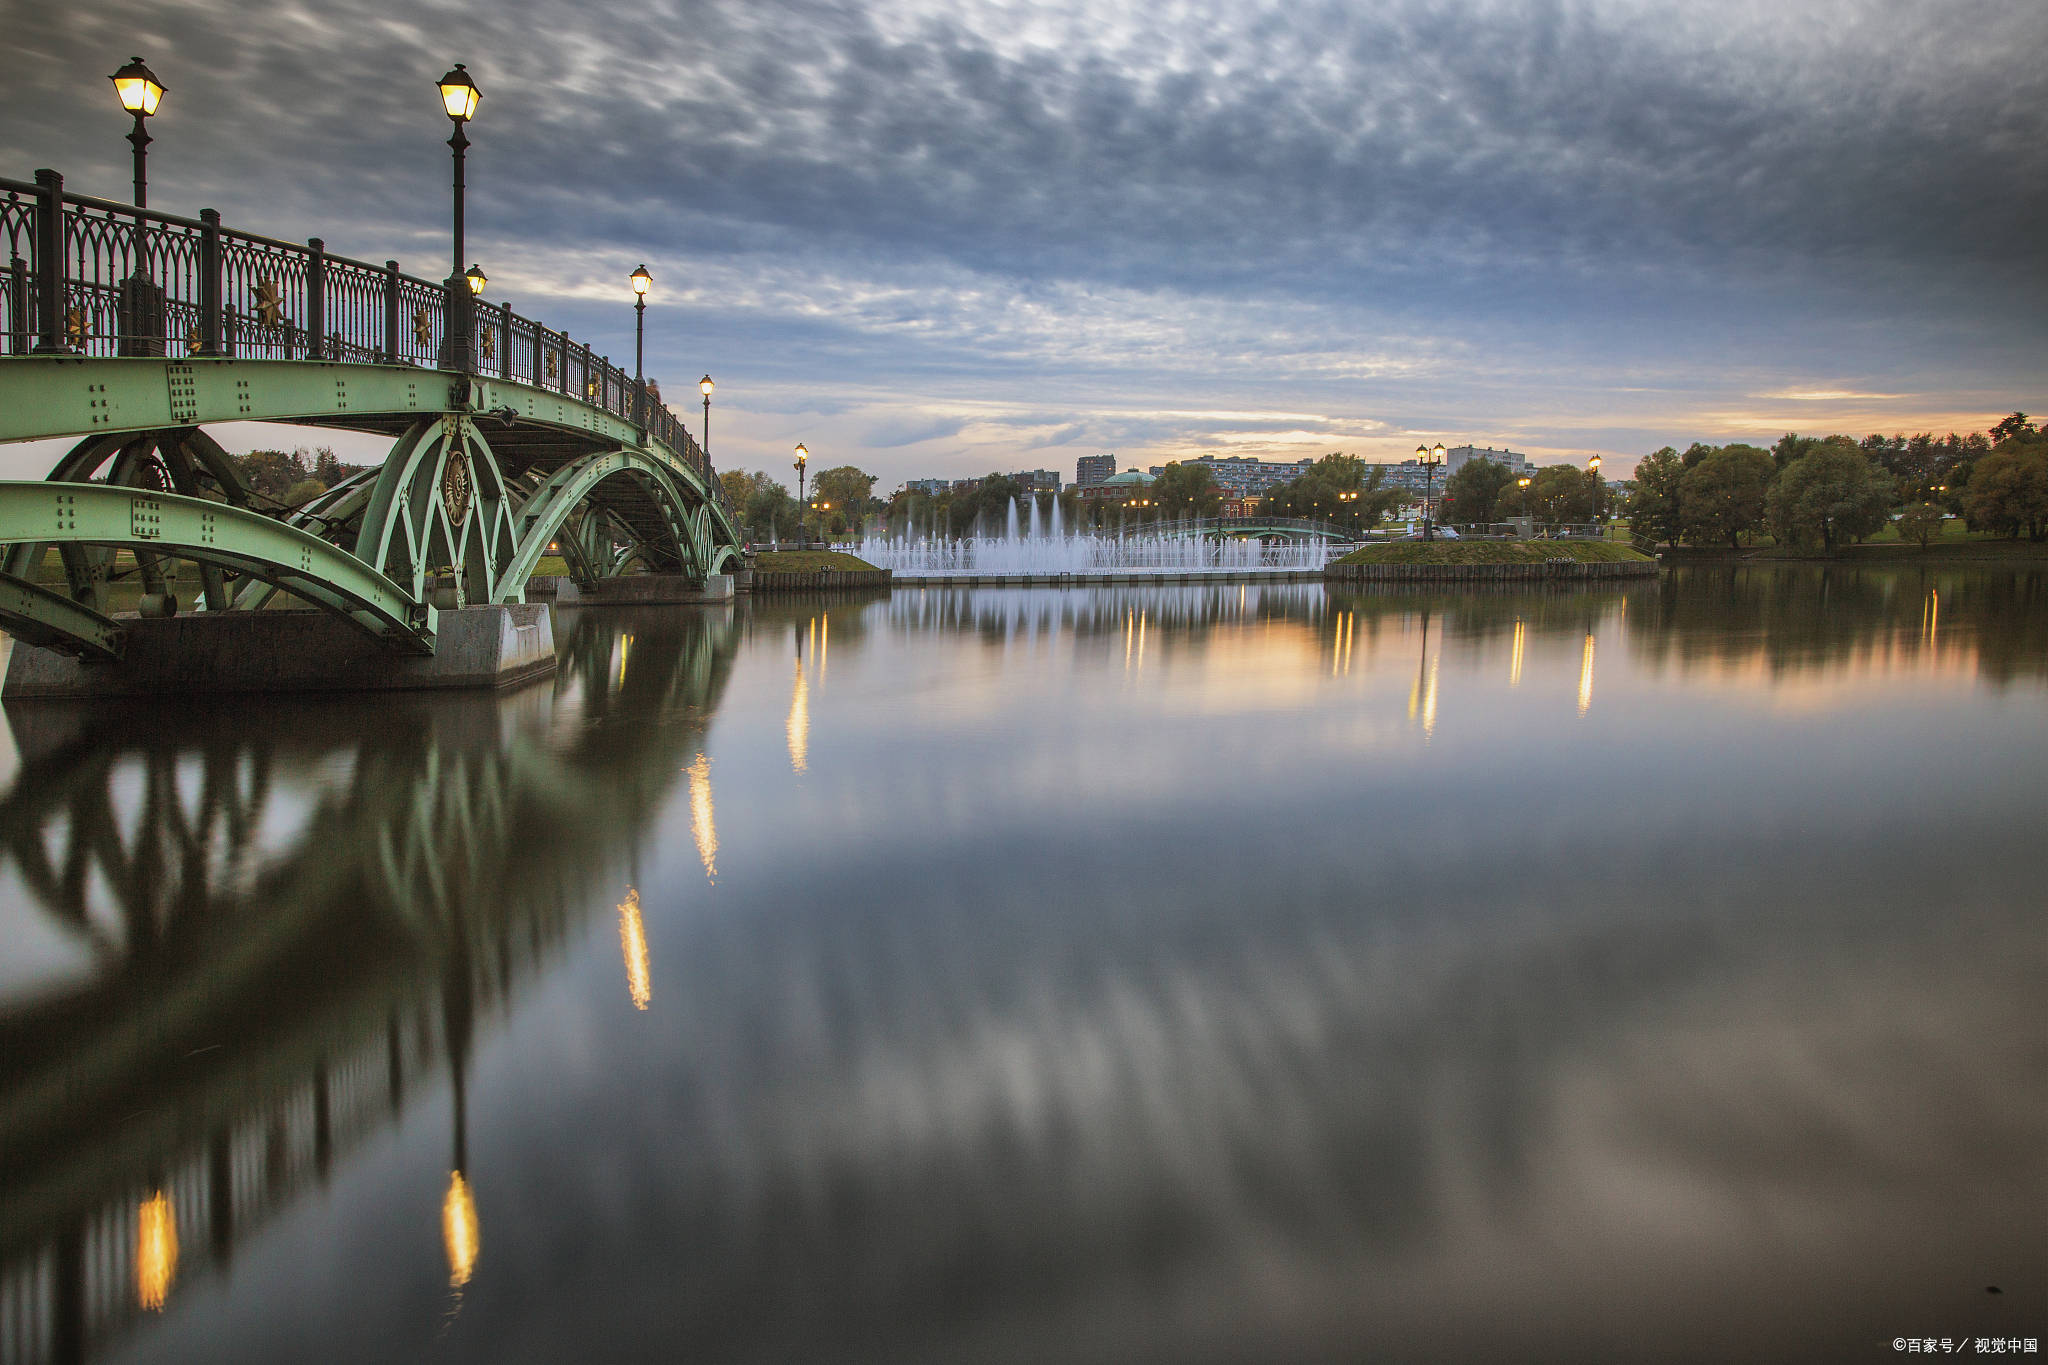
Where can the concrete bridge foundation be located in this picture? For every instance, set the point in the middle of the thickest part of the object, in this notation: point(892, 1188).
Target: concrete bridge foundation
point(292, 651)
point(645, 590)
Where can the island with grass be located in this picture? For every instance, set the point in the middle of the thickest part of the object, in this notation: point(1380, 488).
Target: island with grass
point(814, 570)
point(1437, 561)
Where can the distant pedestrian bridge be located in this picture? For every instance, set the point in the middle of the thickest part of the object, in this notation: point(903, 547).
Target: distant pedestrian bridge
point(1263, 528)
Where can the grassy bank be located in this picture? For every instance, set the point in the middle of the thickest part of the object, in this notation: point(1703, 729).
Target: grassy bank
point(1893, 552)
point(1491, 552)
point(810, 561)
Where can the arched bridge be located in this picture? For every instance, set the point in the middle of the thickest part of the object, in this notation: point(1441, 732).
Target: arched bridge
point(131, 330)
point(1262, 528)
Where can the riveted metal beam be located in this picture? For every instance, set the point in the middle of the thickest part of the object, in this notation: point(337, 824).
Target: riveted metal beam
point(217, 534)
point(43, 396)
point(104, 398)
point(40, 616)
point(69, 395)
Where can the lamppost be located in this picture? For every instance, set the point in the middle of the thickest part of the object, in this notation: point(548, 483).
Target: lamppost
point(1593, 472)
point(141, 311)
point(706, 386)
point(459, 97)
point(642, 282)
point(1523, 484)
point(1430, 459)
point(802, 530)
point(475, 279)
point(140, 93)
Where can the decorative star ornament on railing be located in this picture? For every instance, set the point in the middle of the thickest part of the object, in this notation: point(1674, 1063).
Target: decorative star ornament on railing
point(269, 303)
point(490, 340)
point(422, 327)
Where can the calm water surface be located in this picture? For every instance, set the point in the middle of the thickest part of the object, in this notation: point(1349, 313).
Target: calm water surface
point(1218, 973)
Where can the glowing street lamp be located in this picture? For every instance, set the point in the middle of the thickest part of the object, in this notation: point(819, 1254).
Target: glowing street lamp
point(459, 97)
point(1430, 458)
point(642, 282)
point(140, 93)
point(803, 457)
point(1593, 472)
point(706, 386)
point(475, 278)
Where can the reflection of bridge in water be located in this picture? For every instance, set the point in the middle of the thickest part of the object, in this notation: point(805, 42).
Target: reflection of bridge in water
point(292, 923)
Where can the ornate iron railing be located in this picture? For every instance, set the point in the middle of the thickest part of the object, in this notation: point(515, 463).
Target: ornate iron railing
point(92, 277)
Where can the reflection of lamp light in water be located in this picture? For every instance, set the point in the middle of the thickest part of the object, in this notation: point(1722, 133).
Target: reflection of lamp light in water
point(156, 1251)
point(459, 1232)
point(1422, 695)
point(1586, 676)
point(1429, 700)
point(701, 822)
point(633, 946)
point(799, 720)
point(1515, 659)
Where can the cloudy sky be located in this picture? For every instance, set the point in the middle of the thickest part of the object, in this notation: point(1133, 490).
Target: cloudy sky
point(949, 236)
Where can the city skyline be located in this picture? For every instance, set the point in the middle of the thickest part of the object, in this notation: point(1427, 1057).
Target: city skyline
point(955, 237)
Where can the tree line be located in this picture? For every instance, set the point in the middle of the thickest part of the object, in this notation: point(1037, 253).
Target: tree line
point(1825, 491)
point(1483, 491)
point(839, 498)
point(280, 479)
point(1806, 491)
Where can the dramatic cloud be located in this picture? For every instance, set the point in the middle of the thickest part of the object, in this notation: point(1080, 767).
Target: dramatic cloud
point(904, 229)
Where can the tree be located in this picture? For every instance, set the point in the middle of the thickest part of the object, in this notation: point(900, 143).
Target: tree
point(271, 473)
point(769, 510)
point(739, 485)
point(1562, 492)
point(2013, 428)
point(2008, 490)
point(849, 491)
point(1722, 496)
point(1791, 446)
point(1654, 508)
point(1472, 494)
point(1339, 488)
point(991, 495)
point(1830, 494)
point(1187, 490)
point(328, 468)
point(1921, 521)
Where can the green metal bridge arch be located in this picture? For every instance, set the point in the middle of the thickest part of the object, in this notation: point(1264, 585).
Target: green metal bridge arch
point(520, 442)
point(1263, 528)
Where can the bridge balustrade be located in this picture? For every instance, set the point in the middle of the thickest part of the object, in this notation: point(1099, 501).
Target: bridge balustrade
point(88, 276)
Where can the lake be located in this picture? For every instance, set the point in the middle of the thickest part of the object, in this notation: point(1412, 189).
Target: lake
point(1225, 972)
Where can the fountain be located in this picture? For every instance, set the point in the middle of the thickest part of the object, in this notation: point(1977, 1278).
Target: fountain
point(1038, 546)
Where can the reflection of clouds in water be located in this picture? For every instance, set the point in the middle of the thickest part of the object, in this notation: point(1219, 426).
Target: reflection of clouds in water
point(1104, 1101)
